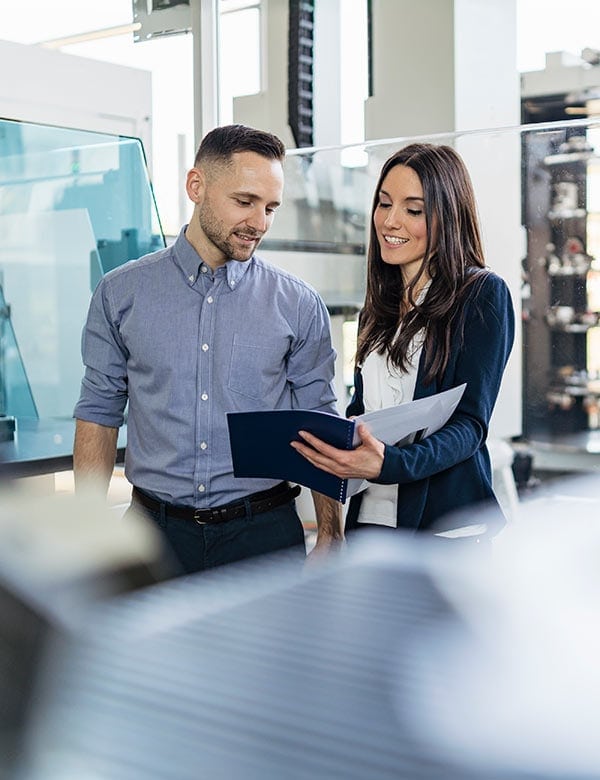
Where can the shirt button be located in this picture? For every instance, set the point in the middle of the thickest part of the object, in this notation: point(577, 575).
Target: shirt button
point(204, 270)
point(209, 299)
point(191, 278)
point(201, 488)
point(205, 348)
point(203, 446)
point(204, 396)
point(232, 284)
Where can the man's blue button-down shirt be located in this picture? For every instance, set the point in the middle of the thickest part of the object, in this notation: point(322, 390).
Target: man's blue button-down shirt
point(184, 346)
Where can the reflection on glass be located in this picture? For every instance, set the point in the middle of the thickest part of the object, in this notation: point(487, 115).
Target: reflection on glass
point(16, 399)
point(73, 205)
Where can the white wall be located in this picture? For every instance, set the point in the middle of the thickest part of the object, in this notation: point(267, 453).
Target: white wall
point(413, 69)
point(442, 65)
point(50, 87)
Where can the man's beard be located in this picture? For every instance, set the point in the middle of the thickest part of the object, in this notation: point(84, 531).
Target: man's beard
point(224, 240)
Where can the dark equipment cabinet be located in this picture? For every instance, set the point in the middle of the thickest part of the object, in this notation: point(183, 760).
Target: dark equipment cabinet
point(561, 389)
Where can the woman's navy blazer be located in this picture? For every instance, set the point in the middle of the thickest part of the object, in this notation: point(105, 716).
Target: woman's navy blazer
point(451, 469)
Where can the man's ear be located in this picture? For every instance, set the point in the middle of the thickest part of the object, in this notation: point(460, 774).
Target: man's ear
point(195, 185)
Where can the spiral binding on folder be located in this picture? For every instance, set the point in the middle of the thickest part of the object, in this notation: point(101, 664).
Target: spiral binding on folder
point(344, 482)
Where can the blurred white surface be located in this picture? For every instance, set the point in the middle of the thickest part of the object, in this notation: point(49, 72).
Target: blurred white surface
point(520, 689)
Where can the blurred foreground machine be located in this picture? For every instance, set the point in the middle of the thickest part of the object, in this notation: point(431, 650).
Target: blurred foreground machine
point(395, 660)
point(60, 557)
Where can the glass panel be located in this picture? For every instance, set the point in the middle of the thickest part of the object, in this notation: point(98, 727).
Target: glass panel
point(16, 399)
point(73, 205)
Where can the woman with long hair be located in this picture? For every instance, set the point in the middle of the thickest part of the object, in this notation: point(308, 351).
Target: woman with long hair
point(434, 318)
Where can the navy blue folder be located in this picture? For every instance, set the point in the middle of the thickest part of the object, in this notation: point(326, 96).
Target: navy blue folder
point(260, 446)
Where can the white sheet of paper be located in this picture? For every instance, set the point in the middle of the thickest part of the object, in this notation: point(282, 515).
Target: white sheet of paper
point(401, 424)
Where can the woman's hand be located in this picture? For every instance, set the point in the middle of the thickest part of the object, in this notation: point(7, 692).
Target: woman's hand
point(363, 462)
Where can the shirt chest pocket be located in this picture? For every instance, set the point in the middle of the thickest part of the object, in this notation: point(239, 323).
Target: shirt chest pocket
point(258, 371)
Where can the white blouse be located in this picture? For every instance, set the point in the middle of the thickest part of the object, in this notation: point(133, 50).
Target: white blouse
point(385, 385)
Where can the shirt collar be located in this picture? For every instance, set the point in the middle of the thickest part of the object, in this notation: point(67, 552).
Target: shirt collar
point(191, 263)
point(236, 271)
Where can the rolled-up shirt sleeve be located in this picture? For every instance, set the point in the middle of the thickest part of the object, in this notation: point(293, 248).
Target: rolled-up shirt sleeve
point(311, 362)
point(103, 395)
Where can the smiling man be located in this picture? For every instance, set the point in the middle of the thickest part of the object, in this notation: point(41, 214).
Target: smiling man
point(191, 332)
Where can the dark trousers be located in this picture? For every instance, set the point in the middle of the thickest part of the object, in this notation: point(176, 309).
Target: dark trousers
point(198, 547)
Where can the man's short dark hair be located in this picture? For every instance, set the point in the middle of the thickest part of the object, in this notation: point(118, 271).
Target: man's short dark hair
point(221, 143)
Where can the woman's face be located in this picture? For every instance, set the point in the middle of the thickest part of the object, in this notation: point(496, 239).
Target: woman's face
point(399, 220)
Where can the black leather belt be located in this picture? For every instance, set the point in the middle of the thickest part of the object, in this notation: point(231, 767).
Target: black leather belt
point(260, 502)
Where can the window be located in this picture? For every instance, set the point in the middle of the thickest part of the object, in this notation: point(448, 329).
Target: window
point(240, 53)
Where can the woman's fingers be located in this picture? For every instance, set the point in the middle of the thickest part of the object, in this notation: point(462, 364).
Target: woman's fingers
point(363, 462)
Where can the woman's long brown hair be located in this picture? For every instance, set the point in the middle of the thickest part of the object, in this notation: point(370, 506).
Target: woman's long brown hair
point(453, 251)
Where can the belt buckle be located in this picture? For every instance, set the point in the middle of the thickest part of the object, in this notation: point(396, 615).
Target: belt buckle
point(197, 517)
